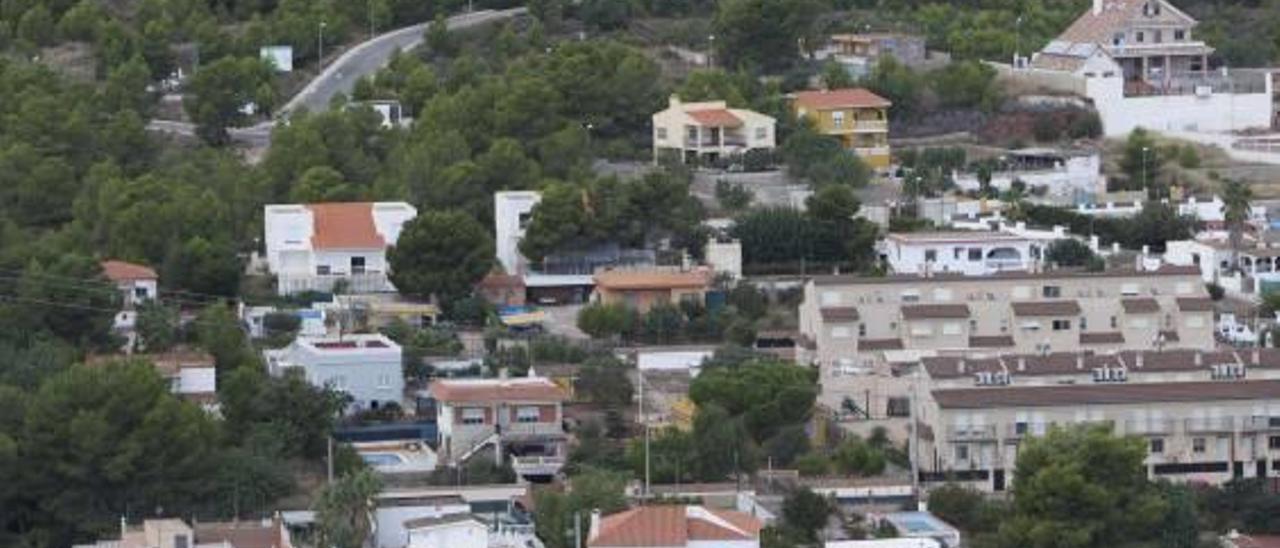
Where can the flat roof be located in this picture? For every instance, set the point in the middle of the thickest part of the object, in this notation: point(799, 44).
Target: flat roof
point(1106, 394)
point(1166, 270)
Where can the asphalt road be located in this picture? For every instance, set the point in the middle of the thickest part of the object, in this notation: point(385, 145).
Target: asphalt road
point(341, 75)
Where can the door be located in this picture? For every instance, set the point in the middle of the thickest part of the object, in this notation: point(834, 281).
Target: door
point(1237, 469)
point(997, 482)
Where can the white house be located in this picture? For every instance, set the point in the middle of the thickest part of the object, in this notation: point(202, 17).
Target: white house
point(1140, 63)
point(521, 417)
point(974, 253)
point(451, 531)
point(365, 367)
point(311, 247)
point(709, 130)
point(136, 283)
point(1256, 268)
point(1060, 173)
point(512, 211)
point(391, 514)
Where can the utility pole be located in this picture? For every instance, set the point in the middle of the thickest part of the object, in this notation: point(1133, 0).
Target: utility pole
point(320, 47)
point(915, 435)
point(645, 422)
point(329, 464)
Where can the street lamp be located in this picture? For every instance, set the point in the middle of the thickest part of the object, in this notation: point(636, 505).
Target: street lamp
point(320, 46)
point(1017, 40)
point(711, 51)
point(1145, 185)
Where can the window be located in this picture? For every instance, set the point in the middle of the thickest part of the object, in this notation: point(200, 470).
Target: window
point(181, 541)
point(1273, 442)
point(840, 332)
point(357, 265)
point(1139, 323)
point(762, 133)
point(1138, 37)
point(962, 452)
point(1117, 39)
point(322, 270)
point(1178, 36)
point(139, 292)
point(524, 220)
point(951, 328)
point(1084, 323)
point(1157, 446)
point(662, 134)
point(899, 407)
point(837, 119)
point(830, 298)
point(955, 252)
point(931, 255)
point(921, 331)
point(1113, 322)
point(384, 381)
point(1052, 291)
point(1020, 428)
point(862, 330)
point(1197, 445)
point(1062, 325)
point(473, 415)
point(1130, 290)
point(975, 254)
point(910, 296)
point(1030, 325)
point(528, 414)
point(973, 326)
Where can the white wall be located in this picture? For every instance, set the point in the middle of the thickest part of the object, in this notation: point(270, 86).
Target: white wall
point(390, 521)
point(197, 380)
point(1213, 113)
point(725, 257)
point(909, 257)
point(508, 207)
point(1078, 173)
point(468, 534)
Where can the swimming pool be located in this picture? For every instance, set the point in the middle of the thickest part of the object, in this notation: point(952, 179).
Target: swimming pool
point(382, 459)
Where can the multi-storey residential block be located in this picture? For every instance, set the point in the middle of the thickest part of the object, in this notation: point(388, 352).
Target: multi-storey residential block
point(521, 417)
point(854, 328)
point(366, 367)
point(312, 247)
point(709, 130)
point(859, 118)
point(1205, 431)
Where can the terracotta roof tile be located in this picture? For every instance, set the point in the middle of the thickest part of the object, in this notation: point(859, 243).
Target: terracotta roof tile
point(1142, 305)
point(647, 526)
point(833, 314)
point(496, 390)
point(241, 535)
point(1046, 308)
point(121, 271)
point(840, 98)
point(715, 117)
point(1254, 541)
point(934, 311)
point(1105, 394)
point(619, 279)
point(344, 226)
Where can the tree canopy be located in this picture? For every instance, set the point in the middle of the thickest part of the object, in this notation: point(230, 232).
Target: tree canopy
point(440, 254)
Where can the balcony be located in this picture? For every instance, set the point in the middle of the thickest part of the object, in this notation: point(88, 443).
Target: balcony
point(537, 465)
point(1150, 426)
point(366, 282)
point(975, 432)
point(532, 429)
point(1209, 425)
point(874, 126)
point(1260, 424)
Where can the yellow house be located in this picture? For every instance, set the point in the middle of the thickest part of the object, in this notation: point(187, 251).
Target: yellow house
point(859, 118)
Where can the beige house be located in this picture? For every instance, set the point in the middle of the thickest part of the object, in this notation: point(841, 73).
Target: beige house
point(643, 288)
point(709, 130)
point(863, 332)
point(1206, 431)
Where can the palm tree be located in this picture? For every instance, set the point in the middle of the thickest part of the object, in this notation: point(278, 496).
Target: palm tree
point(1235, 212)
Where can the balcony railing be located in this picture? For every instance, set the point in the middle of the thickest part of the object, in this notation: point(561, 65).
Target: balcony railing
point(871, 151)
point(870, 125)
point(367, 282)
point(1209, 424)
point(1150, 426)
point(537, 465)
point(532, 429)
point(1260, 424)
point(972, 432)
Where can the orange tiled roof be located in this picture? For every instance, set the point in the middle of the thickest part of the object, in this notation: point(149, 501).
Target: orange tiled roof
point(496, 390)
point(673, 526)
point(652, 279)
point(344, 226)
point(120, 271)
point(715, 117)
point(841, 98)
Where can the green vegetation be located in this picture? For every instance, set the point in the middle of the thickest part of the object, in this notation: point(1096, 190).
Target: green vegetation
point(440, 255)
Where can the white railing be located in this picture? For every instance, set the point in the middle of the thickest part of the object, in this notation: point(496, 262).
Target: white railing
point(532, 428)
point(871, 151)
point(367, 282)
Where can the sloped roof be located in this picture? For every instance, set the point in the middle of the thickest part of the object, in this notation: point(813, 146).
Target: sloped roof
point(840, 98)
point(673, 526)
point(991, 341)
point(1195, 304)
point(121, 271)
point(652, 279)
point(1103, 337)
point(346, 225)
point(242, 535)
point(715, 117)
point(1140, 305)
point(880, 344)
point(1117, 16)
point(1112, 394)
point(496, 390)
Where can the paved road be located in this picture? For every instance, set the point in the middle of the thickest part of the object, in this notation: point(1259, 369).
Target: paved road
point(341, 75)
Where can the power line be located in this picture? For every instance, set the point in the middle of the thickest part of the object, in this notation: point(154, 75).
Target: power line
point(27, 300)
point(103, 289)
point(108, 284)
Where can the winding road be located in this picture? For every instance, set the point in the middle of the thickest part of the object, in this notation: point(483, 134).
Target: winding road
point(341, 75)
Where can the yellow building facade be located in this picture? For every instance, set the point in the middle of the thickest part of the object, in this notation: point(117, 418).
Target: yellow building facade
point(859, 118)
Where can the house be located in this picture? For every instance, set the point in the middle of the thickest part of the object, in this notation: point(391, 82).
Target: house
point(855, 116)
point(317, 247)
point(512, 211)
point(1071, 174)
point(366, 367)
point(1141, 65)
point(709, 131)
point(136, 283)
point(522, 417)
point(451, 531)
point(191, 375)
point(643, 288)
point(860, 53)
point(972, 253)
point(392, 514)
point(1235, 539)
point(674, 526)
point(863, 332)
point(1195, 431)
point(175, 533)
point(502, 289)
point(1246, 273)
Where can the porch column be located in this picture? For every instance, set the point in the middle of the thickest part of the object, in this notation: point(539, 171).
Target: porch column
point(721, 134)
point(1168, 70)
point(1143, 78)
point(698, 145)
point(1204, 64)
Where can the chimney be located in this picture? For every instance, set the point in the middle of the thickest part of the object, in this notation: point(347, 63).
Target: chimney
point(1097, 7)
point(1022, 363)
point(673, 101)
point(1080, 362)
point(1137, 361)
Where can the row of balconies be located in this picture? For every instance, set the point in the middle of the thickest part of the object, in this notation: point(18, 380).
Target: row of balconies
point(1199, 425)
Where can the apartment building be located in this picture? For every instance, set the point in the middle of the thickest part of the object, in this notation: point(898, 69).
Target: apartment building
point(1202, 431)
point(517, 416)
point(855, 116)
point(313, 247)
